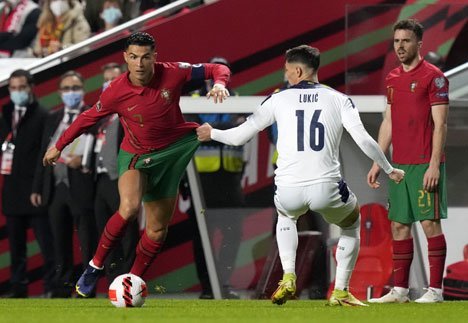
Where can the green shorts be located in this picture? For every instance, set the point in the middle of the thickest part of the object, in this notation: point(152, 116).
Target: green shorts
point(409, 202)
point(164, 167)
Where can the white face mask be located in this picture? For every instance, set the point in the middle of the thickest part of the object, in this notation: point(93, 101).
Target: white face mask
point(59, 7)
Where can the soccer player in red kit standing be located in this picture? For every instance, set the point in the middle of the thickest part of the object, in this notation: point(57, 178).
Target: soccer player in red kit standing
point(157, 146)
point(415, 123)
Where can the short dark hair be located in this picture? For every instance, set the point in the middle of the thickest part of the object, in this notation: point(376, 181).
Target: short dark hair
point(140, 39)
point(220, 60)
point(71, 73)
point(111, 66)
point(307, 55)
point(23, 73)
point(410, 24)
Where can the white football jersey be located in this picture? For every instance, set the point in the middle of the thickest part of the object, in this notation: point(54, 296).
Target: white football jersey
point(310, 119)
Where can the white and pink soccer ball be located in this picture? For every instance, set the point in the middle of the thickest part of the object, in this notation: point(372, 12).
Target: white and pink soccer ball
point(128, 290)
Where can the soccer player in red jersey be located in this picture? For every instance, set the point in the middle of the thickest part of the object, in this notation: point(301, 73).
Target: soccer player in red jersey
point(157, 146)
point(415, 123)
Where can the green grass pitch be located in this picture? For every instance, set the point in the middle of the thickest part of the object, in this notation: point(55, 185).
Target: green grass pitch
point(167, 310)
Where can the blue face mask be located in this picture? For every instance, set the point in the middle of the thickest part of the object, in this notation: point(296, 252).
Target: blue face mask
point(72, 99)
point(111, 15)
point(19, 98)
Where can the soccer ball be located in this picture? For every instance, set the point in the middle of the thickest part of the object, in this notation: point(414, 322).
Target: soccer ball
point(128, 290)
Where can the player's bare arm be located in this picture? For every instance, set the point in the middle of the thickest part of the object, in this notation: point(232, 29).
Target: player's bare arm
point(384, 140)
point(204, 132)
point(432, 175)
point(51, 156)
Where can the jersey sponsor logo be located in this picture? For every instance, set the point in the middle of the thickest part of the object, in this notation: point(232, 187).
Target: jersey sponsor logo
point(98, 106)
point(424, 212)
point(197, 65)
point(442, 95)
point(132, 107)
point(184, 65)
point(166, 95)
point(439, 82)
point(413, 86)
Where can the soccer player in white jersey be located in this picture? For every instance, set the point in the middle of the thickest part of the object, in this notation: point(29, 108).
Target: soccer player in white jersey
point(310, 118)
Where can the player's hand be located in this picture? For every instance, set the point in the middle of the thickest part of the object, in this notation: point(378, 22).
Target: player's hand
point(397, 175)
point(204, 132)
point(51, 156)
point(431, 178)
point(36, 199)
point(74, 161)
point(218, 92)
point(372, 176)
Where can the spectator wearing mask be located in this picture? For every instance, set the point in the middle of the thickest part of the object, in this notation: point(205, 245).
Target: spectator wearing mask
point(68, 188)
point(111, 14)
point(21, 120)
point(18, 20)
point(62, 23)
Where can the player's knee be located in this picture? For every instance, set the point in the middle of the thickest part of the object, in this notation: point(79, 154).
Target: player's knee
point(129, 209)
point(401, 231)
point(156, 233)
point(431, 228)
point(351, 219)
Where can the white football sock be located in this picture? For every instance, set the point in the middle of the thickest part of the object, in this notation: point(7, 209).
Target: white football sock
point(286, 237)
point(347, 252)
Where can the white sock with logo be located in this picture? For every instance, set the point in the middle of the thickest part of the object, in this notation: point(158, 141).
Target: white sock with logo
point(286, 237)
point(347, 252)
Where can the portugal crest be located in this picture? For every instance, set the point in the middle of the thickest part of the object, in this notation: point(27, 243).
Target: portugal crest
point(413, 86)
point(166, 95)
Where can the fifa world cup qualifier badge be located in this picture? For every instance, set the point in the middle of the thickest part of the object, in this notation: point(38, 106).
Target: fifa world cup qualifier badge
point(166, 95)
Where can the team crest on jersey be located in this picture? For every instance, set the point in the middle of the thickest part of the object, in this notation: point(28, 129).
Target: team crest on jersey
point(439, 82)
point(413, 86)
point(98, 106)
point(166, 95)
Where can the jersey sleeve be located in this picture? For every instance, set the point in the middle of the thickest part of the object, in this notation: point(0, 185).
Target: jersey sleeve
point(438, 90)
point(86, 119)
point(350, 114)
point(264, 116)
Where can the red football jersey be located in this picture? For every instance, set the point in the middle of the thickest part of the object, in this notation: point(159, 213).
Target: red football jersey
point(150, 115)
point(411, 96)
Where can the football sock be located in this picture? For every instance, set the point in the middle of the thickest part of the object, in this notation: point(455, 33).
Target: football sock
point(286, 237)
point(402, 258)
point(437, 250)
point(113, 232)
point(146, 251)
point(347, 252)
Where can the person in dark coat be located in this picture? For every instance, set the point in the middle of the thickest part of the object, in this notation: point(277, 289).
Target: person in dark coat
point(21, 120)
point(68, 188)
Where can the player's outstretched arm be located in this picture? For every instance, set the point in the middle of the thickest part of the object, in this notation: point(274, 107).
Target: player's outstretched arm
point(51, 156)
point(219, 93)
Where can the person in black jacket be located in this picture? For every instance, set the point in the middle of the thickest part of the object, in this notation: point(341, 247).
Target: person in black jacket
point(22, 118)
point(68, 188)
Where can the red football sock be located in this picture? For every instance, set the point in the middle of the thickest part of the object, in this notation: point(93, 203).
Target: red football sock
point(437, 250)
point(113, 232)
point(146, 251)
point(402, 258)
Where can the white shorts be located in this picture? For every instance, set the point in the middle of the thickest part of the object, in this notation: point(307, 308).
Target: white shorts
point(334, 201)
